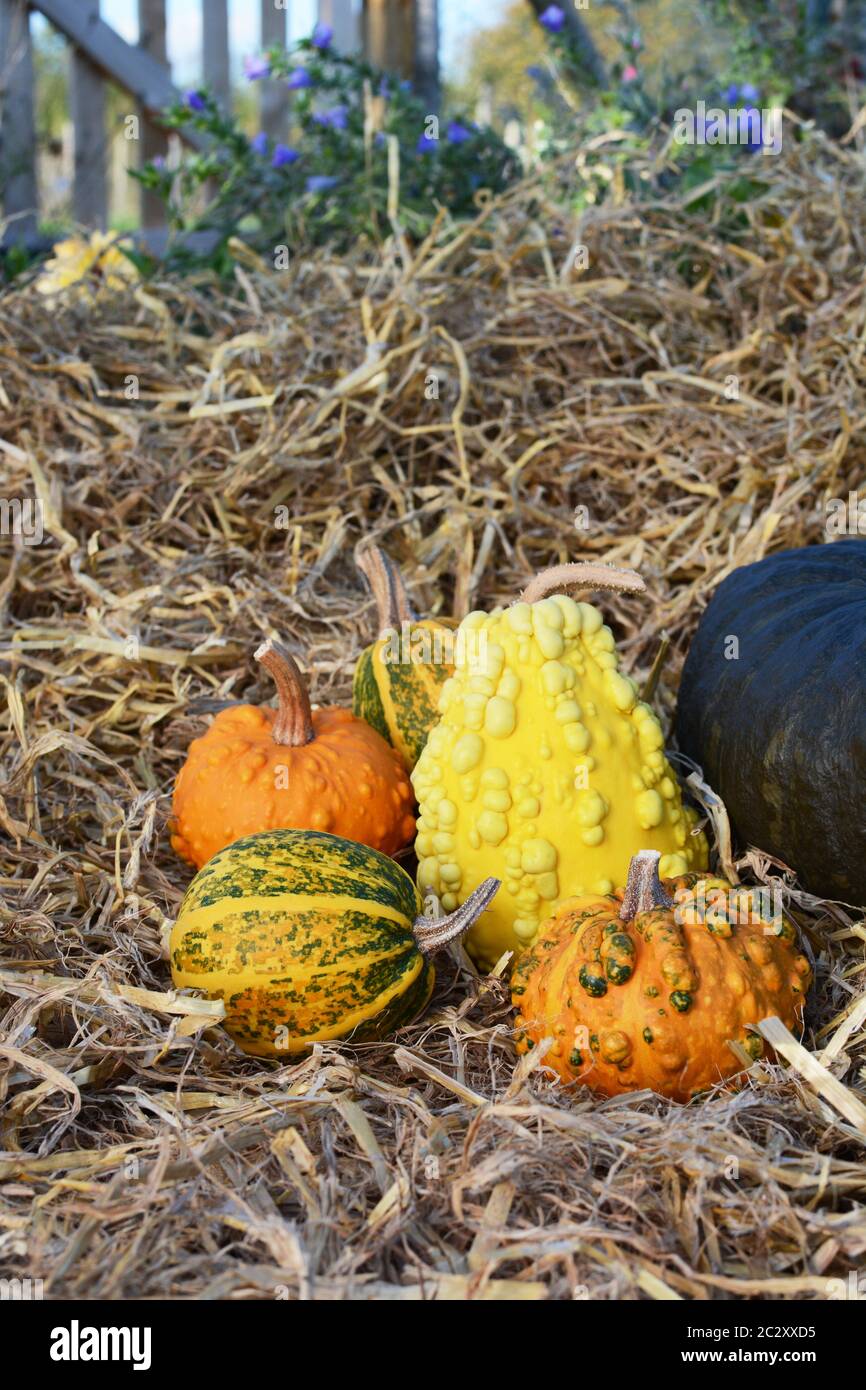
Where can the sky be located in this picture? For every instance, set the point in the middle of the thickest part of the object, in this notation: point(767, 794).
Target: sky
point(458, 19)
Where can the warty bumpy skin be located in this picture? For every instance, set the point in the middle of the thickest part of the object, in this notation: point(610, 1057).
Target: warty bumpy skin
point(545, 770)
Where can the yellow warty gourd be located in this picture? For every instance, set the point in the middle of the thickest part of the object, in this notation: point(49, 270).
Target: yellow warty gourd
point(545, 769)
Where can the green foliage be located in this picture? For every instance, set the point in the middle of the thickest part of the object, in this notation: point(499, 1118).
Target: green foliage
point(14, 260)
point(495, 68)
point(356, 134)
point(51, 86)
point(800, 52)
point(614, 143)
point(518, 71)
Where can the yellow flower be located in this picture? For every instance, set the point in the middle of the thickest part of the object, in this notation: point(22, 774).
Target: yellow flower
point(86, 267)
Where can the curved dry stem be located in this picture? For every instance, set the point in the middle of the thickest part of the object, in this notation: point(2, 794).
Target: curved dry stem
point(432, 933)
point(584, 575)
point(652, 680)
point(643, 889)
point(386, 585)
point(293, 725)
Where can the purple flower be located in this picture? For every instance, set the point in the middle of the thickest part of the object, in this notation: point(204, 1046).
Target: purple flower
point(283, 155)
point(299, 78)
point(753, 125)
point(379, 139)
point(337, 118)
point(159, 161)
point(425, 145)
point(553, 19)
point(322, 35)
point(259, 143)
point(714, 131)
point(457, 134)
point(320, 183)
point(256, 68)
point(746, 91)
point(194, 100)
point(535, 72)
point(384, 88)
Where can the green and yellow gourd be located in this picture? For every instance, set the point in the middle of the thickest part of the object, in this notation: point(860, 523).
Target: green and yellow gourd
point(398, 678)
point(309, 938)
point(546, 768)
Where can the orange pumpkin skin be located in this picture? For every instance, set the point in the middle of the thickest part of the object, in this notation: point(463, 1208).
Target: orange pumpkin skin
point(652, 1001)
point(238, 780)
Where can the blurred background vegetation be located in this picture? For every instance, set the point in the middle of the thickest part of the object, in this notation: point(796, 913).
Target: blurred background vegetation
point(614, 73)
point(681, 44)
point(811, 53)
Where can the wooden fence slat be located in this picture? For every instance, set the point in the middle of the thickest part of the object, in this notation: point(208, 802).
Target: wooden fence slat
point(344, 22)
point(427, 53)
point(273, 96)
point(17, 125)
point(153, 144)
point(389, 35)
point(133, 68)
point(215, 39)
point(87, 104)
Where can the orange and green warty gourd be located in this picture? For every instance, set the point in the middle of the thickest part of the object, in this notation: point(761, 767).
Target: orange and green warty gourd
point(399, 676)
point(294, 767)
point(647, 986)
point(546, 768)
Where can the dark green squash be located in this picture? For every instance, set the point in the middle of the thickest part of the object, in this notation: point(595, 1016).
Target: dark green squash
point(780, 728)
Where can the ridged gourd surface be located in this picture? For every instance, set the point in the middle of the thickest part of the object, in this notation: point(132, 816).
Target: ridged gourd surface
point(307, 937)
point(397, 685)
point(545, 770)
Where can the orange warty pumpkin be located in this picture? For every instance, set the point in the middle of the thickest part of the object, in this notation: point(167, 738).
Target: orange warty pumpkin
point(292, 768)
point(646, 986)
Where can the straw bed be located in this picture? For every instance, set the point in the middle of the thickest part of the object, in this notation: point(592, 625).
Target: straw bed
point(457, 402)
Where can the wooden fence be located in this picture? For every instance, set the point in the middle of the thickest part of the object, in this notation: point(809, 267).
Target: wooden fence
point(399, 35)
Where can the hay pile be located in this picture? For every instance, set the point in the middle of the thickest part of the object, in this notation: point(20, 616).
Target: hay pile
point(142, 1155)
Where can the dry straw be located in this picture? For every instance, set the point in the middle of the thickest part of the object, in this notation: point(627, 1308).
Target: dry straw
point(277, 422)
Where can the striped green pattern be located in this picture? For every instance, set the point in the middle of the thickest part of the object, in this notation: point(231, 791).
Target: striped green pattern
point(307, 937)
point(400, 698)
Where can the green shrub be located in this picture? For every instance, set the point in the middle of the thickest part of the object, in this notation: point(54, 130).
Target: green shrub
point(329, 180)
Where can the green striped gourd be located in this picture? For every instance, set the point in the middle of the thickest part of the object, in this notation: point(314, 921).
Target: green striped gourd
point(398, 678)
point(308, 938)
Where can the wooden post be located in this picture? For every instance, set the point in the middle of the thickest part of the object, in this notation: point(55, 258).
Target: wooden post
point(145, 78)
point(345, 23)
point(151, 37)
point(273, 96)
point(87, 103)
point(427, 53)
point(17, 126)
point(215, 24)
point(389, 35)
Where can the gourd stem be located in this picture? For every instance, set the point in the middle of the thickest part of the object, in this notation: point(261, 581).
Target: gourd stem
point(386, 585)
point(652, 680)
point(293, 725)
point(643, 889)
point(432, 933)
point(584, 575)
